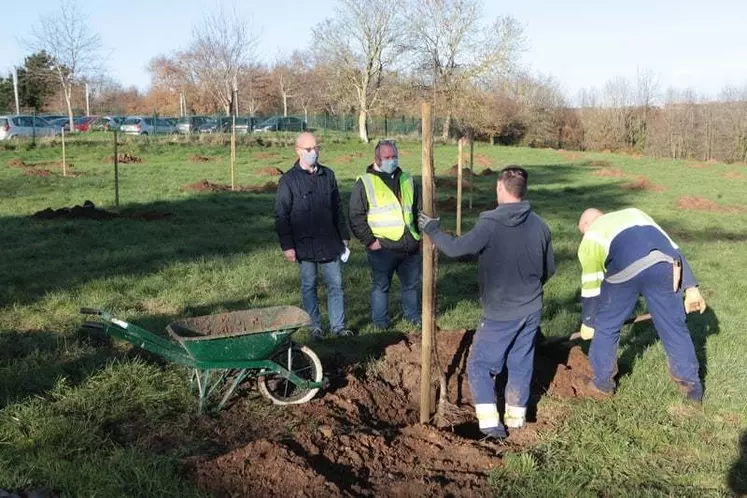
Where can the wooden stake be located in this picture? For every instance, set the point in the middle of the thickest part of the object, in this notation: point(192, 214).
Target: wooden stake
point(471, 170)
point(460, 165)
point(64, 162)
point(429, 257)
point(233, 154)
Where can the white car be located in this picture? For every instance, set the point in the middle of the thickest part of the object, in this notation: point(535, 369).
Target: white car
point(137, 125)
point(26, 126)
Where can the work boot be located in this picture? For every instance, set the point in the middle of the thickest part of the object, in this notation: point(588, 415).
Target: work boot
point(515, 416)
point(318, 334)
point(498, 433)
point(343, 333)
point(594, 391)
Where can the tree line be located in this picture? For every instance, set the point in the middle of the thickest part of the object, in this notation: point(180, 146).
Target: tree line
point(377, 58)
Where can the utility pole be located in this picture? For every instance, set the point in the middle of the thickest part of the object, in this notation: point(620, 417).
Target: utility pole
point(15, 89)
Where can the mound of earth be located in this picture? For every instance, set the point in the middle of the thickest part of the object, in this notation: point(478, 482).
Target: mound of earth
point(733, 175)
point(454, 171)
point(451, 183)
point(36, 172)
point(609, 173)
point(270, 171)
point(17, 163)
point(206, 186)
point(642, 183)
point(486, 172)
point(197, 158)
point(125, 158)
point(598, 163)
point(362, 437)
point(89, 211)
point(483, 160)
point(695, 203)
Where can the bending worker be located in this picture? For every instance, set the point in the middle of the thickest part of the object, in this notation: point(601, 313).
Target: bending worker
point(516, 259)
point(624, 254)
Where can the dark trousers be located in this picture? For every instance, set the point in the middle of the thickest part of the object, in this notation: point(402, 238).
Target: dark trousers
point(384, 263)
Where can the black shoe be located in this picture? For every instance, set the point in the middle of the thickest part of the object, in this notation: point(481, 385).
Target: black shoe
point(497, 433)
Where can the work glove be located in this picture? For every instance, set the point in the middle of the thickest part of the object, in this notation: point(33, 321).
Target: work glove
point(587, 333)
point(426, 223)
point(694, 301)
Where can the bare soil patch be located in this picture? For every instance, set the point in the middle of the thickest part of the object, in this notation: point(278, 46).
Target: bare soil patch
point(206, 186)
point(597, 163)
point(487, 172)
point(125, 158)
point(733, 175)
point(454, 171)
point(695, 203)
point(197, 158)
point(699, 165)
point(451, 183)
point(89, 211)
point(264, 156)
point(270, 171)
point(643, 183)
point(361, 437)
point(609, 173)
point(36, 172)
point(483, 160)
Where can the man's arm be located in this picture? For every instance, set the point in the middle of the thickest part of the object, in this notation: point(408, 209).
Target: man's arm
point(549, 269)
point(342, 226)
point(283, 207)
point(591, 257)
point(472, 242)
point(688, 277)
point(359, 215)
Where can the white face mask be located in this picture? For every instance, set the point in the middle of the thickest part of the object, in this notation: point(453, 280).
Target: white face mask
point(389, 166)
point(310, 158)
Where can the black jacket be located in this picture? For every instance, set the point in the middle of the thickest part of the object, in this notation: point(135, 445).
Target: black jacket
point(516, 258)
point(359, 213)
point(308, 214)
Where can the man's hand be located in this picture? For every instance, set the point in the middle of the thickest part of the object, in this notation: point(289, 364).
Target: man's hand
point(587, 333)
point(425, 221)
point(694, 301)
point(290, 255)
point(375, 245)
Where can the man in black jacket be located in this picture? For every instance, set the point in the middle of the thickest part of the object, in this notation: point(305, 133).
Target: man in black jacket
point(383, 216)
point(515, 261)
point(311, 226)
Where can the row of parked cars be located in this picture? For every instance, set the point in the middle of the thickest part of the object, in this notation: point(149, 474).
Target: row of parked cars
point(12, 126)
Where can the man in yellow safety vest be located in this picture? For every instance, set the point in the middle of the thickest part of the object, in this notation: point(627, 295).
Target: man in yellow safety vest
point(383, 216)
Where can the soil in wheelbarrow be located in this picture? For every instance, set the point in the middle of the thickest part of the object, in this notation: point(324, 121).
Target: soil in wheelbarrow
point(362, 436)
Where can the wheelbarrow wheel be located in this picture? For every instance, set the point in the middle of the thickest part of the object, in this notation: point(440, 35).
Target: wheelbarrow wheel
point(304, 363)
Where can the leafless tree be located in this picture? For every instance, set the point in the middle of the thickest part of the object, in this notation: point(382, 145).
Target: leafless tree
point(222, 44)
point(449, 41)
point(361, 40)
point(69, 40)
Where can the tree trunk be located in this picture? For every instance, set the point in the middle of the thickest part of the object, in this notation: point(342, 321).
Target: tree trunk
point(285, 104)
point(447, 127)
point(363, 126)
point(68, 100)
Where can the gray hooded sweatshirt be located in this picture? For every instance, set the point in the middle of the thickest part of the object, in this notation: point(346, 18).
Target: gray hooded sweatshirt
point(515, 258)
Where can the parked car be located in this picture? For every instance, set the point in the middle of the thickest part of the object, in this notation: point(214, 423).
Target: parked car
point(137, 125)
point(223, 125)
point(189, 124)
point(25, 126)
point(281, 123)
point(105, 123)
point(59, 123)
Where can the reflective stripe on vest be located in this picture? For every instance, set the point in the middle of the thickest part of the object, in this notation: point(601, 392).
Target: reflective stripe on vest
point(386, 216)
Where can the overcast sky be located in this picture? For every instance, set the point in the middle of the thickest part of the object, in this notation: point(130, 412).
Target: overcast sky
point(581, 43)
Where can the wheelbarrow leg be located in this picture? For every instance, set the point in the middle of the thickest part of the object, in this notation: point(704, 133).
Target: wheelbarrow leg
point(202, 385)
point(240, 376)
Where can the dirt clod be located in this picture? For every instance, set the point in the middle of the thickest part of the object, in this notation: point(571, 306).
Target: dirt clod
point(642, 183)
point(197, 158)
point(270, 171)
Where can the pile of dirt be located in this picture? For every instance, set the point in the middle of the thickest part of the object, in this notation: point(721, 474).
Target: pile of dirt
point(264, 156)
point(361, 437)
point(598, 164)
point(36, 172)
point(348, 158)
point(454, 171)
point(270, 171)
point(89, 211)
point(733, 175)
point(609, 173)
point(451, 183)
point(197, 158)
point(206, 186)
point(643, 183)
point(695, 203)
point(17, 163)
point(125, 158)
point(483, 160)
point(698, 165)
point(487, 172)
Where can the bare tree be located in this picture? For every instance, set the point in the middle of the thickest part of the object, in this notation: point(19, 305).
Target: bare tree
point(74, 47)
point(451, 43)
point(361, 40)
point(222, 44)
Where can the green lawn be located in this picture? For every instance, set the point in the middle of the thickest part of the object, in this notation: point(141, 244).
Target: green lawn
point(65, 395)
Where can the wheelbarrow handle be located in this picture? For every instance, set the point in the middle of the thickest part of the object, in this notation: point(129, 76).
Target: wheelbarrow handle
point(90, 311)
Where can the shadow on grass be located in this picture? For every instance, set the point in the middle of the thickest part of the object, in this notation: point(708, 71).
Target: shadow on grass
point(737, 477)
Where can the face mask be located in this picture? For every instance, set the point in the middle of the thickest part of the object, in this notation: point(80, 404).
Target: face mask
point(388, 166)
point(309, 158)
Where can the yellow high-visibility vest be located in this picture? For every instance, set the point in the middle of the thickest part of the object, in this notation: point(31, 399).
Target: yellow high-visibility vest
point(386, 216)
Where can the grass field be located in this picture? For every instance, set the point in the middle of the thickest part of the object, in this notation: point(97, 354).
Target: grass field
point(83, 415)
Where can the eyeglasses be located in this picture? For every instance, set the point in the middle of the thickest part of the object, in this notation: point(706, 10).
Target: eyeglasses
point(309, 149)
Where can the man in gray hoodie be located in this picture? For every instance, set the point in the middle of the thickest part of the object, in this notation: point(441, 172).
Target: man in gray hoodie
point(515, 260)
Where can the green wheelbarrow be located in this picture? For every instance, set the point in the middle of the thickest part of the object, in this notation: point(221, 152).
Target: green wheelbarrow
point(225, 349)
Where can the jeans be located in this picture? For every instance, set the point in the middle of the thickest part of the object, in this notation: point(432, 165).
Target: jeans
point(617, 302)
point(332, 273)
point(498, 344)
point(384, 263)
